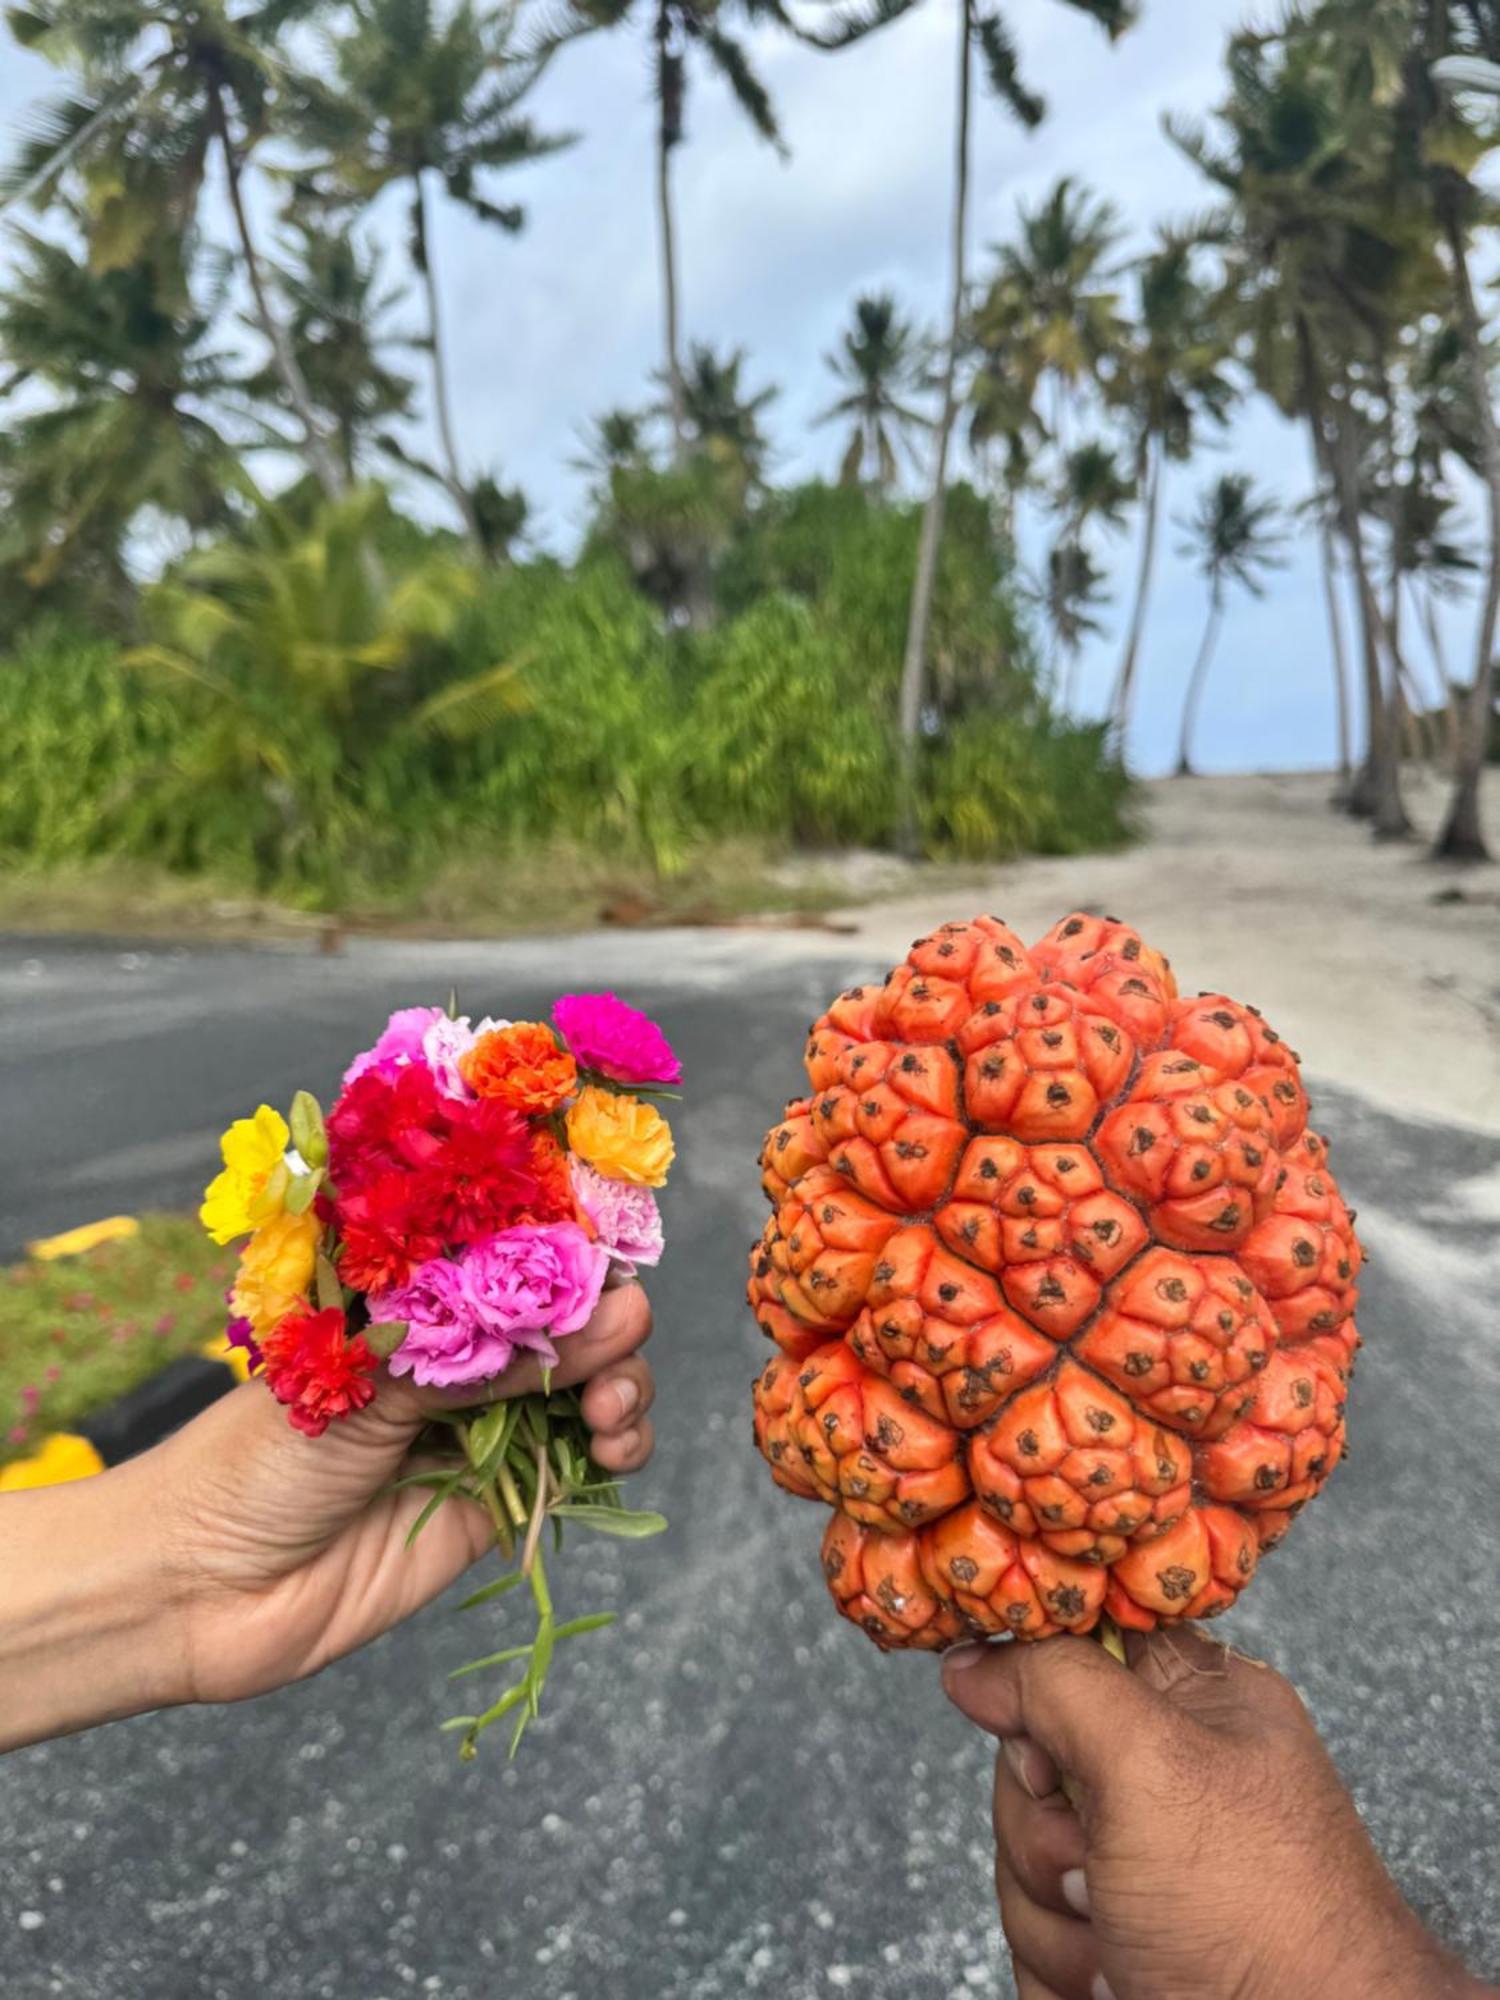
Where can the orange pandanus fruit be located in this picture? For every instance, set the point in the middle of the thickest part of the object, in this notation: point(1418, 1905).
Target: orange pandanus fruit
point(1061, 1290)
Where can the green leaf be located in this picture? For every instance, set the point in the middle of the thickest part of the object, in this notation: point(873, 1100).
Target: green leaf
point(301, 1191)
point(631, 1525)
point(490, 1660)
point(308, 1133)
point(330, 1291)
point(426, 1514)
point(487, 1430)
point(596, 1621)
point(496, 1589)
point(384, 1336)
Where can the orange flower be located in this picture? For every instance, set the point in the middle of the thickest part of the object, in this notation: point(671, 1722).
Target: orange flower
point(523, 1066)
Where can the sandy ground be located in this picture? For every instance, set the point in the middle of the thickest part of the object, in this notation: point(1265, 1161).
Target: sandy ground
point(1359, 953)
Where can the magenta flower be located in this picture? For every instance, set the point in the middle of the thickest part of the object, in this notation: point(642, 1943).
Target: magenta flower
point(240, 1333)
point(624, 1217)
point(443, 1345)
point(400, 1042)
point(616, 1040)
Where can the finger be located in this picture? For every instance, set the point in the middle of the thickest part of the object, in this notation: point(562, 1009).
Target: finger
point(621, 1324)
point(1061, 1951)
point(1067, 1694)
point(625, 1451)
point(619, 1396)
point(1040, 1843)
point(1029, 1987)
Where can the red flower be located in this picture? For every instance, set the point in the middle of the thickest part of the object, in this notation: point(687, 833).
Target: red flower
point(382, 1122)
point(317, 1371)
point(481, 1176)
point(385, 1228)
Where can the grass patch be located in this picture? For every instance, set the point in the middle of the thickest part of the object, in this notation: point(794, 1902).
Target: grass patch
point(78, 1333)
point(557, 887)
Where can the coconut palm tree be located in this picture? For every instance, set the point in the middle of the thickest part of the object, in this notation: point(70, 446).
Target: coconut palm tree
point(309, 670)
point(162, 84)
point(879, 357)
point(421, 95)
point(1174, 378)
point(1070, 594)
point(1236, 535)
point(1324, 261)
point(983, 28)
point(337, 318)
point(722, 416)
point(123, 395)
point(706, 29)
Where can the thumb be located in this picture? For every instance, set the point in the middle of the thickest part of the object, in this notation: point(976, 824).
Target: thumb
point(1066, 1694)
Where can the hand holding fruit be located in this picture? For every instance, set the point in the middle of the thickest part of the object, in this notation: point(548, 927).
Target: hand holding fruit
point(1214, 1853)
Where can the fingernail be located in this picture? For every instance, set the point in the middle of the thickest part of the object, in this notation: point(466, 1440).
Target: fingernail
point(627, 1395)
point(1101, 1988)
point(1015, 1748)
point(1075, 1891)
point(958, 1659)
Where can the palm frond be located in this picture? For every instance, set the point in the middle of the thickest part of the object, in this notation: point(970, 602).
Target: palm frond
point(1002, 68)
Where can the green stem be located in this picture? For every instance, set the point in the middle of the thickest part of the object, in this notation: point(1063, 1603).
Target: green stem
point(539, 1588)
point(504, 1539)
point(515, 1506)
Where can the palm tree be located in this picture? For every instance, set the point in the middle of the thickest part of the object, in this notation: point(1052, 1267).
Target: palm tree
point(1090, 488)
point(419, 96)
point(1470, 36)
point(880, 359)
point(675, 29)
point(987, 30)
point(1324, 262)
point(164, 83)
point(1174, 377)
point(1071, 592)
point(126, 388)
point(337, 312)
point(1237, 536)
point(309, 670)
point(721, 416)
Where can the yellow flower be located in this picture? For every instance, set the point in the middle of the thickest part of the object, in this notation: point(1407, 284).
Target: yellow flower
point(623, 1138)
point(253, 1185)
point(276, 1270)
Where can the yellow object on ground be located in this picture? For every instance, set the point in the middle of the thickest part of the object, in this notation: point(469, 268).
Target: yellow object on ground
point(74, 1242)
point(235, 1359)
point(62, 1458)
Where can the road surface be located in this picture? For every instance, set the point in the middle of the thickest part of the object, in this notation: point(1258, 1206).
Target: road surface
point(734, 1793)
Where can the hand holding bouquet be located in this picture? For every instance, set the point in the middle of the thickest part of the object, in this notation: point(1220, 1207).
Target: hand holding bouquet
point(469, 1197)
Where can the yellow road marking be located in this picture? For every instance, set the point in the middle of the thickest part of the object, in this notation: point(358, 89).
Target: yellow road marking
point(73, 1242)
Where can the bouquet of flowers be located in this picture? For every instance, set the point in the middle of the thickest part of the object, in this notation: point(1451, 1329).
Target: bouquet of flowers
point(467, 1199)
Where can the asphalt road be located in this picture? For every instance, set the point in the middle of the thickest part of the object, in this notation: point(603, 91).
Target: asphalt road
point(734, 1794)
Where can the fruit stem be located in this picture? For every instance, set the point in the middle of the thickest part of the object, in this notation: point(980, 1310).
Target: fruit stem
point(1111, 1638)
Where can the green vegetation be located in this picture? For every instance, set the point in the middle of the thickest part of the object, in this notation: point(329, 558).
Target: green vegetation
point(298, 734)
point(317, 702)
point(84, 1330)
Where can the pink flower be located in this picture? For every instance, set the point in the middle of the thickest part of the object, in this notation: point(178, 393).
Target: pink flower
point(625, 1218)
point(467, 1318)
point(400, 1042)
point(445, 1044)
point(536, 1280)
point(614, 1039)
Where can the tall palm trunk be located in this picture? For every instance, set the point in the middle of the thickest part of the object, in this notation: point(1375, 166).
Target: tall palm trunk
point(1452, 706)
point(321, 461)
point(1196, 680)
point(1124, 688)
point(919, 622)
point(1377, 786)
point(1336, 647)
point(442, 410)
point(1461, 836)
point(668, 132)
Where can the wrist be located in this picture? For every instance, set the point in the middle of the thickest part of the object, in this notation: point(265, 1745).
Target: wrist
point(90, 1610)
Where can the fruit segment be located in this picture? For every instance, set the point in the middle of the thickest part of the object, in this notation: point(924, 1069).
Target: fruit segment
point(1062, 1288)
point(1069, 1462)
point(877, 1581)
point(868, 1451)
point(1184, 1338)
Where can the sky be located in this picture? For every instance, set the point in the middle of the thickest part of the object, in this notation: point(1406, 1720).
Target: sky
point(549, 328)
